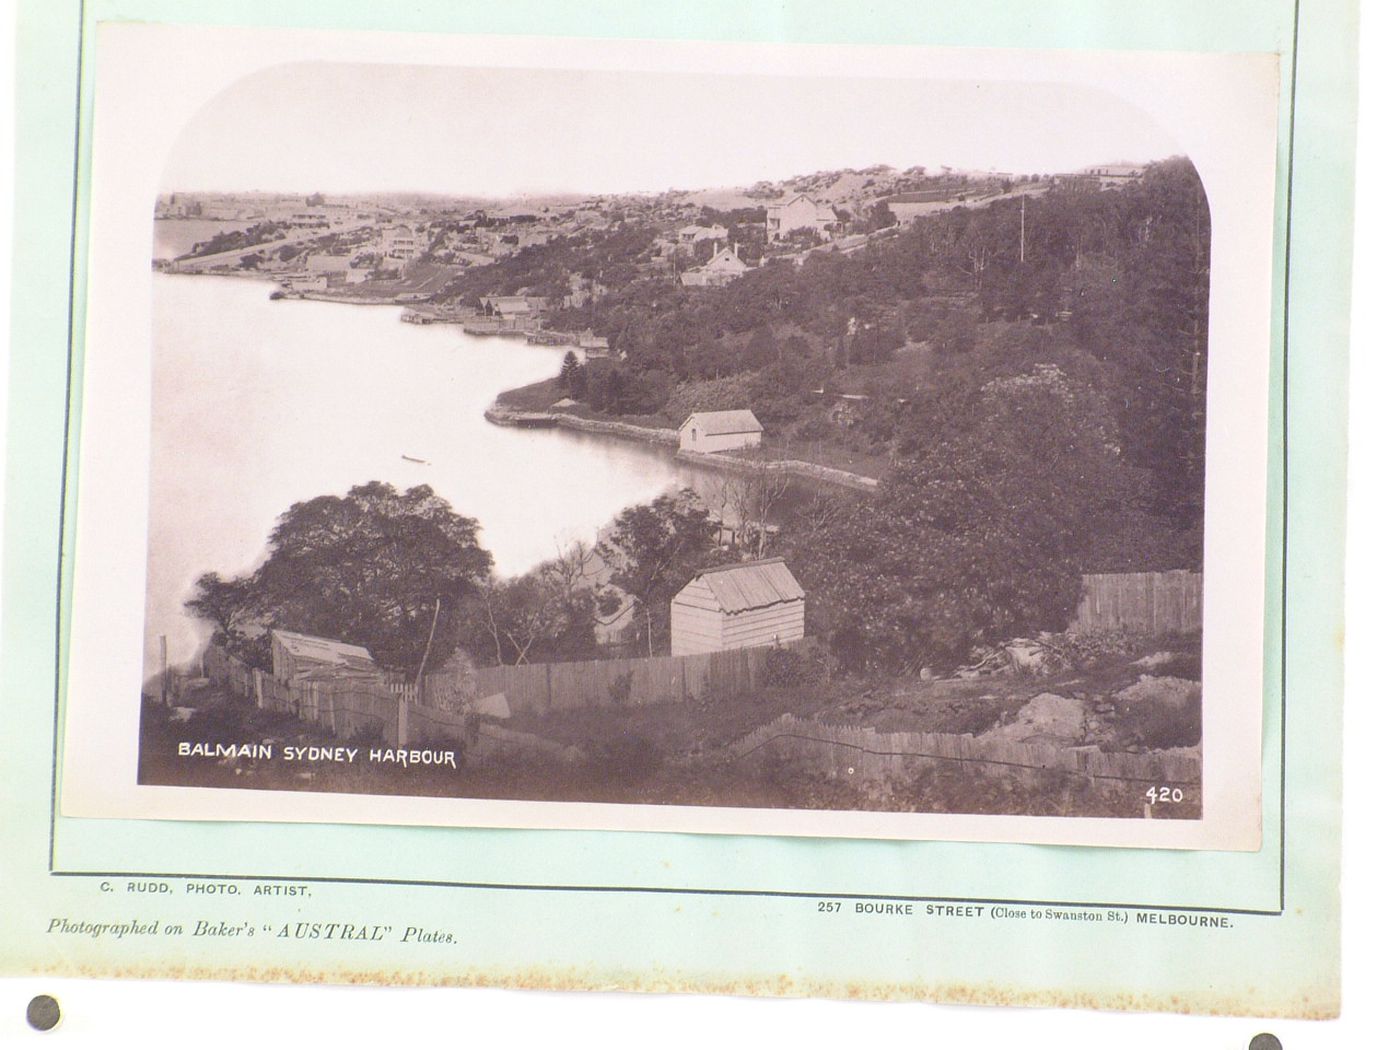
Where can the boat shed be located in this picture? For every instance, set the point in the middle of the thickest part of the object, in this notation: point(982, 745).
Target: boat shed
point(739, 606)
point(720, 431)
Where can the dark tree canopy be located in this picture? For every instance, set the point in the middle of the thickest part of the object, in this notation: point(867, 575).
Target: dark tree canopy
point(368, 568)
point(654, 549)
point(981, 532)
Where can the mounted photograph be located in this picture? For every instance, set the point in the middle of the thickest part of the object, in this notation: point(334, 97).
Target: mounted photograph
point(732, 451)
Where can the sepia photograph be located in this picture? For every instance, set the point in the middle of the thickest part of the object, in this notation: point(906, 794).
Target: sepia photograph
point(858, 486)
point(798, 444)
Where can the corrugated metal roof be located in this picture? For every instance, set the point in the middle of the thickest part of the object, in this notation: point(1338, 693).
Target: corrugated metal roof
point(734, 421)
point(324, 649)
point(753, 585)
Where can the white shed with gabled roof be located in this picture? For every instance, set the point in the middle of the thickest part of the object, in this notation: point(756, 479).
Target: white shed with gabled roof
point(720, 431)
point(739, 606)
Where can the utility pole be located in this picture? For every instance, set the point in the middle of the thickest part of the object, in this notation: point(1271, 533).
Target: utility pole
point(423, 664)
point(164, 674)
point(1023, 228)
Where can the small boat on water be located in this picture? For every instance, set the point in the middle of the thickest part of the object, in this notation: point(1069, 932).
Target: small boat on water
point(413, 459)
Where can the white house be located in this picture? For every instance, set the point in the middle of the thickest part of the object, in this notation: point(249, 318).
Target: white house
point(402, 243)
point(595, 347)
point(699, 234)
point(309, 217)
point(737, 607)
point(722, 268)
point(800, 213)
point(720, 431)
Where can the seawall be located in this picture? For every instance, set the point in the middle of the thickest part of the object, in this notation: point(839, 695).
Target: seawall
point(797, 468)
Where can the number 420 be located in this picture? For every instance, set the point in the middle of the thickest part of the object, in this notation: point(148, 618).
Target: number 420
point(1164, 794)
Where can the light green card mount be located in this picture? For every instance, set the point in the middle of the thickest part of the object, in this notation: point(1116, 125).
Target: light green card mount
point(1211, 932)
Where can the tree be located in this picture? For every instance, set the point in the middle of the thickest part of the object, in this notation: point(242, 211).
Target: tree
point(228, 605)
point(653, 550)
point(955, 334)
point(882, 216)
point(372, 567)
point(533, 618)
point(980, 532)
point(570, 371)
point(762, 349)
point(748, 500)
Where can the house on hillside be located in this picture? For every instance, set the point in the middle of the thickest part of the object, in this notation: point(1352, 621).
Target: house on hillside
point(1113, 176)
point(297, 657)
point(737, 607)
point(801, 213)
point(401, 244)
point(722, 267)
point(309, 218)
point(720, 431)
point(693, 235)
point(596, 347)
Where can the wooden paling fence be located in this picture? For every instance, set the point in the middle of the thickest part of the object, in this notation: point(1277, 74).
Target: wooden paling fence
point(345, 707)
point(868, 754)
point(536, 688)
point(1153, 603)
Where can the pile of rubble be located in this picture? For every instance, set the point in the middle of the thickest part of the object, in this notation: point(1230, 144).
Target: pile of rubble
point(1089, 719)
point(1049, 654)
point(1031, 657)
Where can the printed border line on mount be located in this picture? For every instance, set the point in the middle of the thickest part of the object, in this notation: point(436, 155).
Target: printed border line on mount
point(678, 890)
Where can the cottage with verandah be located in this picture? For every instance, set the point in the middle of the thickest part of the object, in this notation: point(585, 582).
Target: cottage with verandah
point(738, 607)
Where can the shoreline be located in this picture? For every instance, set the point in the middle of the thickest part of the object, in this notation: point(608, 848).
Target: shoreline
point(498, 415)
point(799, 469)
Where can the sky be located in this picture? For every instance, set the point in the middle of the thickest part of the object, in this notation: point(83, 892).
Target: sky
point(342, 128)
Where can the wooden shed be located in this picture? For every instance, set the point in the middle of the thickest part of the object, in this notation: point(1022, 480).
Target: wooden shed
point(720, 431)
point(736, 607)
point(295, 656)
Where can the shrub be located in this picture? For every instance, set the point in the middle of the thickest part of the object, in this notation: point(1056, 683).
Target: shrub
point(1160, 712)
point(620, 689)
point(792, 667)
point(1090, 649)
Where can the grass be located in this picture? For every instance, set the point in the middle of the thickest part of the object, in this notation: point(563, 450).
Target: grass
point(536, 397)
point(679, 754)
point(826, 455)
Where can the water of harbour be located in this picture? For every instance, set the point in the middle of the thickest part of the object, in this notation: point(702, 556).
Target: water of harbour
point(258, 404)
